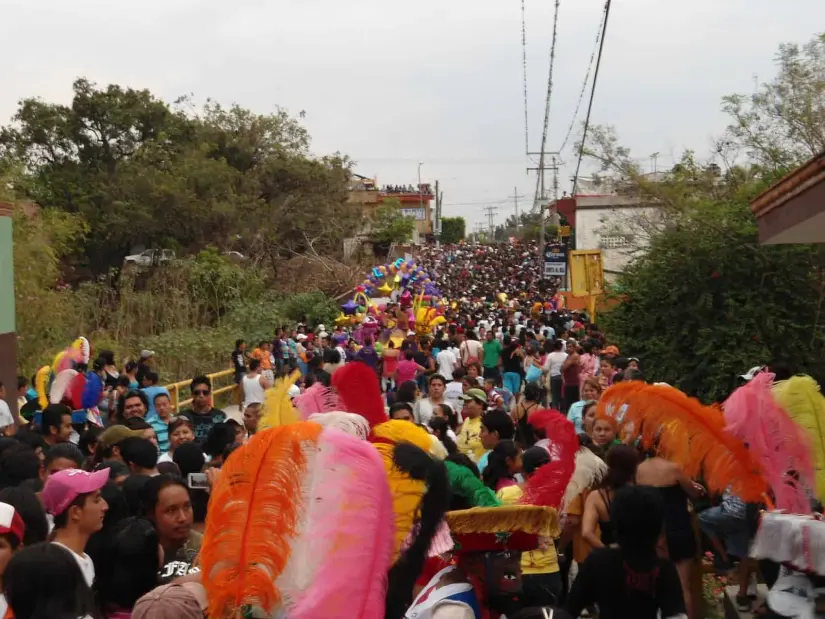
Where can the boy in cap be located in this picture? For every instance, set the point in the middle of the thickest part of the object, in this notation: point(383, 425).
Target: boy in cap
point(72, 497)
point(12, 529)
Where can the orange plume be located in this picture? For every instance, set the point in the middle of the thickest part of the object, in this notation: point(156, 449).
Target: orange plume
point(687, 433)
point(254, 514)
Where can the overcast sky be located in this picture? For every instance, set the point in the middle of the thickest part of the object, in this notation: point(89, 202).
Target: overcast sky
point(392, 83)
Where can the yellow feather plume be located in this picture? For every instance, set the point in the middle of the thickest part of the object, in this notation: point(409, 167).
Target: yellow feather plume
point(801, 398)
point(278, 409)
point(41, 384)
point(406, 492)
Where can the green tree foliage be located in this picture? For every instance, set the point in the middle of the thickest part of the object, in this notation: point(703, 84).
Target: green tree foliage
point(388, 225)
point(141, 172)
point(705, 301)
point(453, 229)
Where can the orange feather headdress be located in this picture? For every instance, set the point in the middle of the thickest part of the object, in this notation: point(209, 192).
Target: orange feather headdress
point(687, 433)
point(300, 519)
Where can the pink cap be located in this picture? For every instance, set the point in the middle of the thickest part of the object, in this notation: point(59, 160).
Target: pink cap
point(64, 487)
point(11, 522)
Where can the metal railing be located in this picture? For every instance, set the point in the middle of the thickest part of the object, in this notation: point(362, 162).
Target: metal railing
point(175, 388)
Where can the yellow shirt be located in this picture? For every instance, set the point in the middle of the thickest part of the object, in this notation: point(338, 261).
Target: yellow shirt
point(469, 439)
point(534, 561)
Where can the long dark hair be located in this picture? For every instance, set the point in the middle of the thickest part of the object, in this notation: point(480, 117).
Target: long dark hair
point(439, 426)
point(130, 567)
point(496, 468)
point(637, 517)
point(44, 582)
point(406, 392)
point(621, 461)
point(403, 574)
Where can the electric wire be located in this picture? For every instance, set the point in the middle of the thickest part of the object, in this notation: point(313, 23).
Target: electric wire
point(547, 104)
point(592, 94)
point(585, 83)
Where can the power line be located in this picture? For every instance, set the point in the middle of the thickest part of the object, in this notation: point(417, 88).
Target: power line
point(490, 213)
point(586, 81)
point(540, 176)
point(592, 94)
point(516, 197)
point(524, 71)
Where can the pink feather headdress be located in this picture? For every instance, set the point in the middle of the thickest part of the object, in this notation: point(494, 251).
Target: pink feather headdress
point(316, 400)
point(753, 416)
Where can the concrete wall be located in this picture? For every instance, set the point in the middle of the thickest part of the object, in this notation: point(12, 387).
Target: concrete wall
point(619, 226)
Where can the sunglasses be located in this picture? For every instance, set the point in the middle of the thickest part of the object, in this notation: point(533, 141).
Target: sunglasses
point(200, 392)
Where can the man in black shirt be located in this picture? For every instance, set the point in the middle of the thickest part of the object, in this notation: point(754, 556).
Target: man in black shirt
point(202, 414)
point(631, 580)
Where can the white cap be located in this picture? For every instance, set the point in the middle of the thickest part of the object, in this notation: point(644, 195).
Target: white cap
point(411, 332)
point(751, 374)
point(294, 391)
point(300, 337)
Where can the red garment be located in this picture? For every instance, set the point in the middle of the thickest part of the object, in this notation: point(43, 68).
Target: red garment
point(74, 392)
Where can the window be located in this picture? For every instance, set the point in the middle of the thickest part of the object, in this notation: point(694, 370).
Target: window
point(616, 241)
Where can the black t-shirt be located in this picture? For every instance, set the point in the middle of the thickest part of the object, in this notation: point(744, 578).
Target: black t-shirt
point(238, 361)
point(202, 424)
point(422, 359)
point(621, 593)
point(511, 363)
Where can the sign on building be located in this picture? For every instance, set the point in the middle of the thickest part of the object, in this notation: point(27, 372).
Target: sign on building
point(419, 214)
point(555, 259)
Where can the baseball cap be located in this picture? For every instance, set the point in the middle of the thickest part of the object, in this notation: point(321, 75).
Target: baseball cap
point(176, 601)
point(113, 435)
point(300, 337)
point(11, 522)
point(294, 391)
point(147, 354)
point(65, 486)
point(474, 394)
point(751, 374)
point(234, 413)
point(410, 332)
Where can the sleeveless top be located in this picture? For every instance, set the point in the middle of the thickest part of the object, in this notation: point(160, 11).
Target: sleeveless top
point(605, 526)
point(435, 595)
point(524, 430)
point(252, 390)
point(675, 502)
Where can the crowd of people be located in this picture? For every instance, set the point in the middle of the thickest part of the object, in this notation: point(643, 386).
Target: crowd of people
point(477, 272)
point(106, 515)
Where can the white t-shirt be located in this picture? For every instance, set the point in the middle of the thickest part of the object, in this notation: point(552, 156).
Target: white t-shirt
point(452, 392)
point(554, 362)
point(423, 410)
point(84, 561)
point(446, 363)
point(6, 418)
point(471, 348)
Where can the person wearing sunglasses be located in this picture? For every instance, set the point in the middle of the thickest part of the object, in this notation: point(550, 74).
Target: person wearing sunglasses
point(202, 414)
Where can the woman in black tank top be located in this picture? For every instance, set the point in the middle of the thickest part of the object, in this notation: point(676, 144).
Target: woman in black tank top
point(621, 467)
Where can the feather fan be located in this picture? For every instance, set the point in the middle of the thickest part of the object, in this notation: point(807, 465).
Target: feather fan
point(41, 384)
point(278, 409)
point(687, 433)
point(359, 392)
point(348, 535)
point(406, 491)
point(66, 360)
point(60, 385)
point(91, 391)
point(253, 517)
point(547, 484)
point(465, 484)
point(801, 398)
point(753, 416)
point(316, 399)
point(352, 424)
point(82, 346)
point(589, 471)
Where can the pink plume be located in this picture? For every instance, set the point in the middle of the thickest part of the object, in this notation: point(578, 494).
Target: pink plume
point(350, 537)
point(547, 485)
point(359, 391)
point(752, 416)
point(316, 399)
point(70, 358)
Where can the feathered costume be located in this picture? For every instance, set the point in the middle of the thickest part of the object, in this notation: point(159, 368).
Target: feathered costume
point(753, 416)
point(801, 399)
point(548, 483)
point(300, 519)
point(686, 433)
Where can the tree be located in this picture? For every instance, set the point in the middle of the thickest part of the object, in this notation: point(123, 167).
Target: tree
point(453, 229)
point(704, 301)
point(141, 172)
point(388, 225)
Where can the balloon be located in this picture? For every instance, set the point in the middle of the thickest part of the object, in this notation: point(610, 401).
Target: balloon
point(349, 307)
point(385, 290)
point(341, 320)
point(397, 279)
point(361, 288)
point(438, 320)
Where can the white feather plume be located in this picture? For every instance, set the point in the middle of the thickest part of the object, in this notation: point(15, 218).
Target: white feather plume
point(351, 423)
point(589, 471)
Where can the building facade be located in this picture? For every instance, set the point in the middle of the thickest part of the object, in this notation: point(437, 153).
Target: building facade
point(414, 201)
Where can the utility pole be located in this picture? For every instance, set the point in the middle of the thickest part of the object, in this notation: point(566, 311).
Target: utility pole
point(490, 211)
point(516, 197)
point(542, 199)
point(654, 159)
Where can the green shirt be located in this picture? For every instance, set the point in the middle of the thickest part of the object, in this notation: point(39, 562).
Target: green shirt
point(492, 353)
